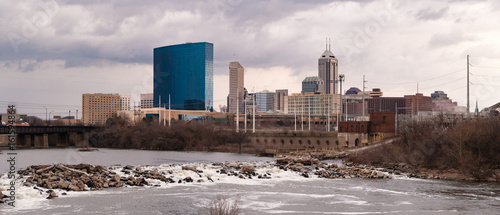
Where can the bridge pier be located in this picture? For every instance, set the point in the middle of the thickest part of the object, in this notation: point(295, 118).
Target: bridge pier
point(82, 140)
point(62, 140)
point(42, 141)
point(23, 141)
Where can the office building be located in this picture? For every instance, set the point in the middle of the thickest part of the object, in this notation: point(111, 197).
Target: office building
point(328, 71)
point(265, 101)
point(315, 104)
point(185, 72)
point(236, 87)
point(97, 108)
point(386, 104)
point(279, 100)
point(313, 84)
point(419, 103)
point(439, 95)
point(146, 100)
point(124, 102)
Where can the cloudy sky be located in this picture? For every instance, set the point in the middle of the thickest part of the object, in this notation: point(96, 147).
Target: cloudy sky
point(53, 51)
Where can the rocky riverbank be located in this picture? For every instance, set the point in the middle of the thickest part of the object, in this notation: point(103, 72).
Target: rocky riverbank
point(402, 169)
point(425, 173)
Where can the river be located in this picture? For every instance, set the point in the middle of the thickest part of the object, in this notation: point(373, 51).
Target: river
point(286, 193)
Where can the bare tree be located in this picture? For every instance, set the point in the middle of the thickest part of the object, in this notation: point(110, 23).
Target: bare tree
point(222, 205)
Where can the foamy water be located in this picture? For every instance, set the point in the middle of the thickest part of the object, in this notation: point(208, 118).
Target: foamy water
point(287, 192)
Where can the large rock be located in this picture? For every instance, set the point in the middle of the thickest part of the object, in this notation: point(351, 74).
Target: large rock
point(247, 169)
point(298, 168)
point(52, 194)
point(73, 188)
point(155, 172)
point(192, 168)
point(63, 184)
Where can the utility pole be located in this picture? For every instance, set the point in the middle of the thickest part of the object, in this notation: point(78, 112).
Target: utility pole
point(309, 107)
point(237, 111)
point(295, 115)
point(76, 114)
point(69, 118)
point(468, 98)
point(337, 110)
point(253, 111)
point(363, 100)
point(302, 115)
point(328, 118)
point(45, 115)
point(341, 79)
point(50, 113)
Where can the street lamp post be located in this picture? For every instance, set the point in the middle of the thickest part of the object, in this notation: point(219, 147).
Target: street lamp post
point(341, 79)
point(50, 113)
point(45, 115)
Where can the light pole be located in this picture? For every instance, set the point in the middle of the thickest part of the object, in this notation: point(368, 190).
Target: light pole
point(45, 115)
point(341, 79)
point(50, 113)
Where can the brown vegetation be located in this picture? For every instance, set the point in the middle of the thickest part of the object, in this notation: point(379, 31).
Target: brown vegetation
point(470, 147)
point(223, 206)
point(193, 136)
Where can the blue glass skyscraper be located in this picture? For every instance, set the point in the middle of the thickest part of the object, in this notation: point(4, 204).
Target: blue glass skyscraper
point(184, 71)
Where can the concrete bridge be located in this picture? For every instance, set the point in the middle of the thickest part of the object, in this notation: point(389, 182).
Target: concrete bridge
point(47, 136)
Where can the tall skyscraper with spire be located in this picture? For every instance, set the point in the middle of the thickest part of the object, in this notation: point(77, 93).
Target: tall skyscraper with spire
point(328, 70)
point(236, 87)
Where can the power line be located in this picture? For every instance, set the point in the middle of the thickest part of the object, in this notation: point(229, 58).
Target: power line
point(487, 67)
point(444, 83)
point(424, 80)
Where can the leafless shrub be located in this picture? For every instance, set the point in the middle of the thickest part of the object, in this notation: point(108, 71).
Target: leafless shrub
point(471, 146)
point(222, 205)
point(196, 136)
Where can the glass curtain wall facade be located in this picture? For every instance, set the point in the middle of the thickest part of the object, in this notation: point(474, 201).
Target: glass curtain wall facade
point(265, 101)
point(313, 84)
point(185, 72)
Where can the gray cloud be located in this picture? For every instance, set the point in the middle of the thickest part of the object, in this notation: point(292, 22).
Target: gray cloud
point(452, 38)
point(430, 14)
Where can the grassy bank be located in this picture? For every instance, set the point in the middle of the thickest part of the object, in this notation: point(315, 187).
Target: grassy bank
point(470, 148)
point(193, 136)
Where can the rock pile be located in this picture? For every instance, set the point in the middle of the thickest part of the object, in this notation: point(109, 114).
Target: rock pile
point(84, 177)
point(79, 177)
point(307, 166)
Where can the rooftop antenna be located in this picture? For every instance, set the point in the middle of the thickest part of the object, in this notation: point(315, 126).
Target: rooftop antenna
point(326, 43)
point(330, 44)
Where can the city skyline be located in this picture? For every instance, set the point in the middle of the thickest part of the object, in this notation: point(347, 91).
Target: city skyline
point(95, 52)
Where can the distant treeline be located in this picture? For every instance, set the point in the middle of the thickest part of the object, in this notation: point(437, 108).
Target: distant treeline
point(469, 146)
point(193, 136)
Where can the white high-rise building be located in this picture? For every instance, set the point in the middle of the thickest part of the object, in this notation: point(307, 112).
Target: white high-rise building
point(124, 102)
point(328, 71)
point(236, 87)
